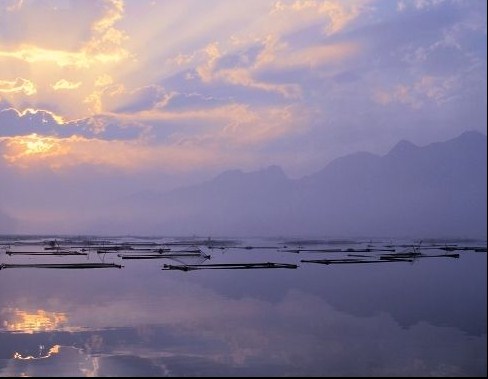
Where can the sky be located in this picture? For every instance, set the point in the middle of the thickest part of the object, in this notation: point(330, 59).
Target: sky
point(138, 94)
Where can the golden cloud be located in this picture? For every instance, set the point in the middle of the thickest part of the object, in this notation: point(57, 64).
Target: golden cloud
point(18, 85)
point(23, 150)
point(219, 132)
point(79, 59)
point(338, 13)
point(237, 124)
point(48, 69)
point(64, 84)
point(63, 153)
point(103, 47)
point(31, 111)
point(213, 54)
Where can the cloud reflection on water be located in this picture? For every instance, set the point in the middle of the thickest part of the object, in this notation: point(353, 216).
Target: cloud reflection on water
point(300, 335)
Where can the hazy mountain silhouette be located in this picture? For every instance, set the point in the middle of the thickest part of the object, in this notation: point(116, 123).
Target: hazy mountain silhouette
point(7, 223)
point(438, 190)
point(434, 191)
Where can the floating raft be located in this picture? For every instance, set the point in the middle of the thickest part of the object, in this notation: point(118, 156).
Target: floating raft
point(349, 250)
point(229, 266)
point(479, 249)
point(36, 253)
point(61, 265)
point(416, 255)
point(295, 251)
point(352, 261)
point(400, 256)
point(161, 256)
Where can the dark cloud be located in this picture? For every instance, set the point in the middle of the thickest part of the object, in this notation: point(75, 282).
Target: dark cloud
point(44, 123)
point(142, 99)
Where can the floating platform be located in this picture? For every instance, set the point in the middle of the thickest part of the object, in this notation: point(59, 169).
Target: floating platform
point(60, 265)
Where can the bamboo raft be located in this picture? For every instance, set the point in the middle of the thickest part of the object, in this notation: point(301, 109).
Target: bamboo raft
point(229, 266)
point(161, 256)
point(349, 250)
point(416, 255)
point(43, 253)
point(60, 265)
point(352, 261)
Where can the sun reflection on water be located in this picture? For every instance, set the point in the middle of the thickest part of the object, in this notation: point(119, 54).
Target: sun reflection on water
point(52, 351)
point(22, 321)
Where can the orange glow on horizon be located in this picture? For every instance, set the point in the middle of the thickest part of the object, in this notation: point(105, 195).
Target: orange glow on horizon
point(25, 147)
point(63, 153)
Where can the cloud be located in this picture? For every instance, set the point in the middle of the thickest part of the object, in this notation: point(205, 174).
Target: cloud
point(425, 92)
point(338, 14)
point(63, 84)
point(235, 124)
point(144, 98)
point(141, 140)
point(273, 80)
point(77, 59)
point(10, 118)
point(243, 77)
point(65, 153)
point(46, 123)
point(13, 5)
point(274, 56)
point(315, 56)
point(18, 85)
point(403, 5)
point(103, 46)
point(57, 60)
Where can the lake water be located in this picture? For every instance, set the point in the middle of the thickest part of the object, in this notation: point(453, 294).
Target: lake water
point(391, 318)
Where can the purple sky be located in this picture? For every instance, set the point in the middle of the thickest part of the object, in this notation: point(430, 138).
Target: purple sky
point(168, 92)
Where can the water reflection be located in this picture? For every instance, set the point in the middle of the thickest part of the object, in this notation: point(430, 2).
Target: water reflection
point(58, 361)
point(425, 318)
point(42, 355)
point(17, 320)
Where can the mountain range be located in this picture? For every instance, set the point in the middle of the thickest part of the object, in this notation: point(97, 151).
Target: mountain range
point(437, 190)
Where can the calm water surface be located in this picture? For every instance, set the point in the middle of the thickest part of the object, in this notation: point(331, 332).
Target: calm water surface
point(426, 317)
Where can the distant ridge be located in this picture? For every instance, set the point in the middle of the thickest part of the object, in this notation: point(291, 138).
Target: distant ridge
point(438, 190)
point(7, 223)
